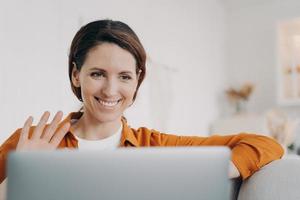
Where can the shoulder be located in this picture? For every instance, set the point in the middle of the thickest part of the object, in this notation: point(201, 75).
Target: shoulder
point(137, 136)
point(144, 136)
point(144, 132)
point(11, 142)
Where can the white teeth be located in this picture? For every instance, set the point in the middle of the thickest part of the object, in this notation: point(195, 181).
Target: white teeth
point(108, 103)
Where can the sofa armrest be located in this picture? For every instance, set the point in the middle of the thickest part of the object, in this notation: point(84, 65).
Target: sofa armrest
point(279, 180)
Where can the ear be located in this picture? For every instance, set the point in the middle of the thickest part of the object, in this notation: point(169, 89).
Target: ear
point(75, 76)
point(139, 74)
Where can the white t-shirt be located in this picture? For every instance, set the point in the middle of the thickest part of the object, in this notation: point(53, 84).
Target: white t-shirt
point(111, 142)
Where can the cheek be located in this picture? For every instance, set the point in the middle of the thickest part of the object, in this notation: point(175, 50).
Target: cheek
point(130, 90)
point(89, 87)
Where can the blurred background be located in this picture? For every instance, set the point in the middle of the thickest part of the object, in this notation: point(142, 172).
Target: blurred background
point(214, 66)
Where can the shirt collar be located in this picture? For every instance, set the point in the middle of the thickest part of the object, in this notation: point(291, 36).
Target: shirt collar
point(128, 137)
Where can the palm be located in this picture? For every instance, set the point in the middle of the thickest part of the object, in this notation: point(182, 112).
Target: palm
point(34, 145)
point(44, 137)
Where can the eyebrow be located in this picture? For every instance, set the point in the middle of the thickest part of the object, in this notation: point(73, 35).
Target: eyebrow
point(102, 70)
point(96, 68)
point(126, 72)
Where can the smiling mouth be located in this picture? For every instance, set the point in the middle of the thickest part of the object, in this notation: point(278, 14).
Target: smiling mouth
point(109, 104)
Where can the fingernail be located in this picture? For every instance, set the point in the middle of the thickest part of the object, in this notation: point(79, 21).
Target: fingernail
point(30, 118)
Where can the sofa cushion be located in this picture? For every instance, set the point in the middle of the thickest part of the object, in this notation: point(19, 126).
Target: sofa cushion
point(279, 180)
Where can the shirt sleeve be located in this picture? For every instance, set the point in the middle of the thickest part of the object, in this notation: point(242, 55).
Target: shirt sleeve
point(250, 152)
point(9, 145)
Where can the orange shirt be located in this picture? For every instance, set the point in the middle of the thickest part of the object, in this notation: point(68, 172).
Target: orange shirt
point(250, 152)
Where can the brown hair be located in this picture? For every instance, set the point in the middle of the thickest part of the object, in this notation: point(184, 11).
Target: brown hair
point(98, 32)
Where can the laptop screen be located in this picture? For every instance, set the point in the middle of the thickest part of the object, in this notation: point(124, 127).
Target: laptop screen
point(126, 173)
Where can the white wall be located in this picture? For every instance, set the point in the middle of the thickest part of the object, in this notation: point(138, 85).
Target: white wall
point(187, 37)
point(252, 47)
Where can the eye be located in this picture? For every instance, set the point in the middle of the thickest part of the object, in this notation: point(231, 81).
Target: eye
point(126, 77)
point(97, 75)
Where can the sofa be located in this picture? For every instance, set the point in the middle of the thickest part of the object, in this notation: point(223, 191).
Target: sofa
point(279, 180)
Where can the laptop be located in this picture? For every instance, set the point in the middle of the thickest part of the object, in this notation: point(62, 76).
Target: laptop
point(126, 173)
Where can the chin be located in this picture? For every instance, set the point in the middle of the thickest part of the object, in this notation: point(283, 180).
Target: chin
point(104, 118)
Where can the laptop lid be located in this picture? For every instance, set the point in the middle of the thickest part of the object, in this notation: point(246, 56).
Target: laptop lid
point(126, 173)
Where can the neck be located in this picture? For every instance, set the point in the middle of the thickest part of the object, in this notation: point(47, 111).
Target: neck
point(87, 127)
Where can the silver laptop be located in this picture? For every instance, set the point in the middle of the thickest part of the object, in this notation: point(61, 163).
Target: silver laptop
point(126, 173)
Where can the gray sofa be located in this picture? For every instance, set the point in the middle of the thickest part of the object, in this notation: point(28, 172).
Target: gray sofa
point(279, 180)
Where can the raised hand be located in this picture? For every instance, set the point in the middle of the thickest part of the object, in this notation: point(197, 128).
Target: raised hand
point(42, 138)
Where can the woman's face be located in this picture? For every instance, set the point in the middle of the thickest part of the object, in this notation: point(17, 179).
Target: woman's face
point(108, 81)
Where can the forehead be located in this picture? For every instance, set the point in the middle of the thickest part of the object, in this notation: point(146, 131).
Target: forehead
point(109, 56)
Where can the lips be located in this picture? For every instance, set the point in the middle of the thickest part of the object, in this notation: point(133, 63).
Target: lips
point(107, 103)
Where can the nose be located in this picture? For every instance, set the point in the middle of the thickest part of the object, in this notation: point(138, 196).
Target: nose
point(110, 88)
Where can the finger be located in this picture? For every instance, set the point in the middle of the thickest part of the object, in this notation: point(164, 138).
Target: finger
point(59, 135)
point(25, 130)
point(41, 125)
point(50, 130)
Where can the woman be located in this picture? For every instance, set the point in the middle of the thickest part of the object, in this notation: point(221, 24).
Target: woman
point(106, 69)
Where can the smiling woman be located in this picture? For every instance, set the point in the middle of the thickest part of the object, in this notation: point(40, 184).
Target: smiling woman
point(106, 69)
point(108, 82)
